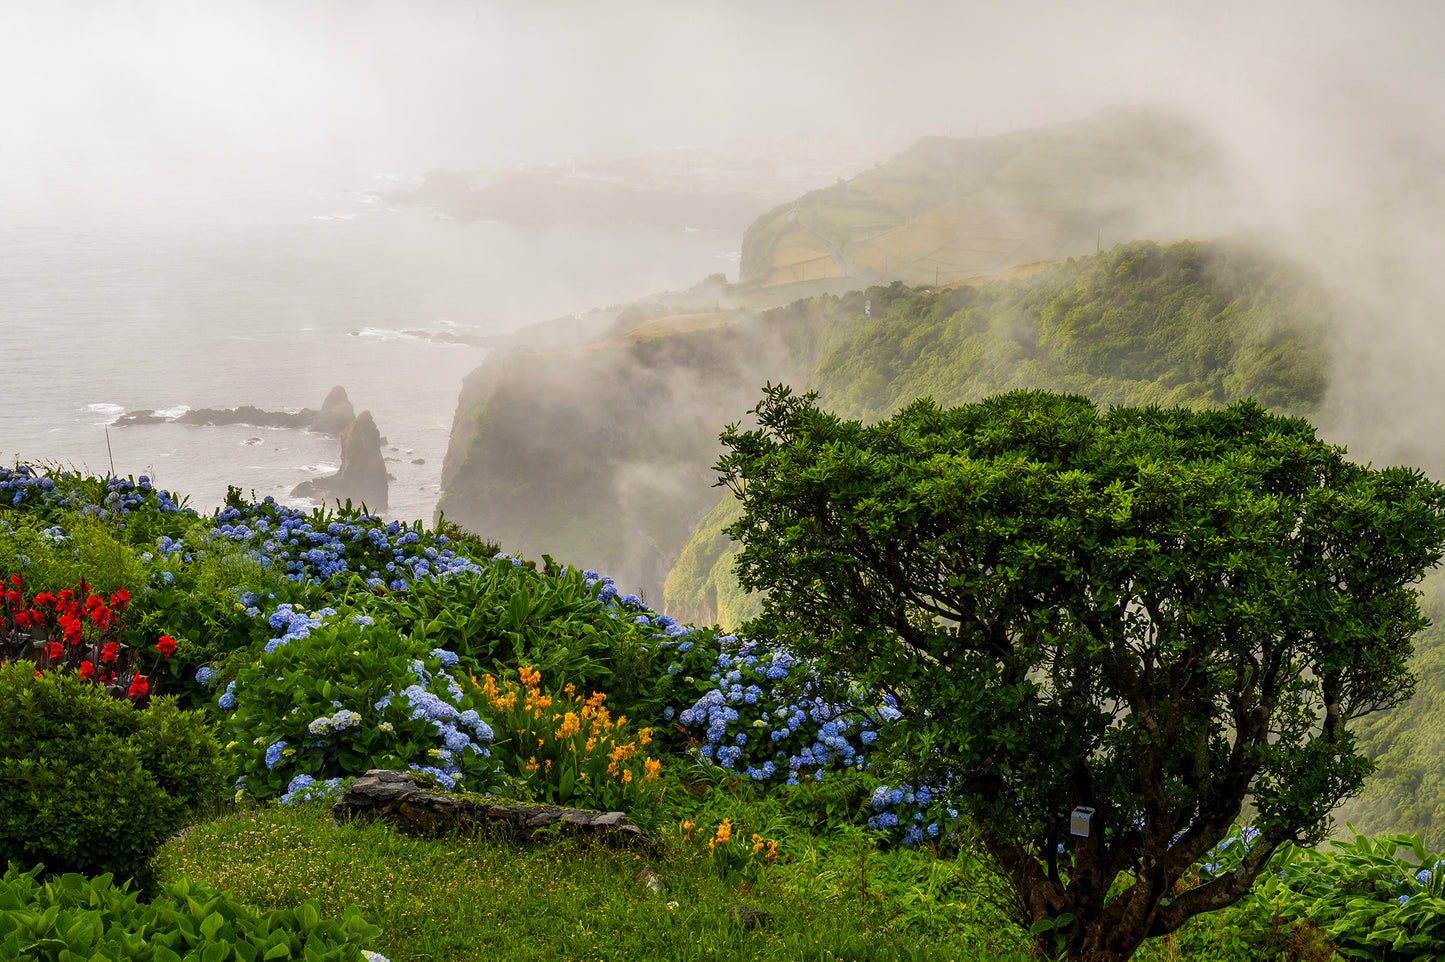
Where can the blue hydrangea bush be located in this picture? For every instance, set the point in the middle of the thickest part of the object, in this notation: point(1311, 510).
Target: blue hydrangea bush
point(334, 696)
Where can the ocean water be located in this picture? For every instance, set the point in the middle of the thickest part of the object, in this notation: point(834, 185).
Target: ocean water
point(273, 305)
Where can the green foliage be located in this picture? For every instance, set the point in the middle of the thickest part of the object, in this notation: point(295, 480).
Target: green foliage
point(1198, 324)
point(194, 590)
point(340, 701)
point(504, 615)
point(72, 918)
point(1159, 614)
point(344, 699)
point(91, 784)
point(57, 558)
point(1377, 898)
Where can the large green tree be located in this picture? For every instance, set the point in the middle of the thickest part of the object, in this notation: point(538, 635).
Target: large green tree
point(1168, 616)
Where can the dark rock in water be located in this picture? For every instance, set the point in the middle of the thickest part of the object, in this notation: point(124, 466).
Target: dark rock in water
point(253, 441)
point(336, 412)
point(363, 478)
point(132, 418)
point(396, 797)
point(247, 414)
point(418, 460)
point(335, 415)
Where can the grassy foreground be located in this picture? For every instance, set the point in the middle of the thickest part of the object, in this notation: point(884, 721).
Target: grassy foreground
point(834, 897)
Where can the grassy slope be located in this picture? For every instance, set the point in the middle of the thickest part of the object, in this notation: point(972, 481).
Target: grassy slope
point(947, 209)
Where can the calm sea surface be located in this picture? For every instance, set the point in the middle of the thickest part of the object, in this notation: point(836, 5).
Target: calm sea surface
point(105, 313)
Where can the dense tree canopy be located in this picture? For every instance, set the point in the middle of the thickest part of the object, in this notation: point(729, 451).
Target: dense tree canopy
point(1168, 616)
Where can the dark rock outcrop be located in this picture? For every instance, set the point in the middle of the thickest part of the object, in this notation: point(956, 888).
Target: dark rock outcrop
point(362, 478)
point(396, 797)
point(748, 917)
point(335, 414)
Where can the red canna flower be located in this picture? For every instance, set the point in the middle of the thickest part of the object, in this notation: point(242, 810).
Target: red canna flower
point(39, 673)
point(22, 619)
point(54, 650)
point(138, 686)
point(166, 646)
point(110, 651)
point(87, 670)
point(17, 581)
point(43, 600)
point(14, 597)
point(120, 600)
point(66, 595)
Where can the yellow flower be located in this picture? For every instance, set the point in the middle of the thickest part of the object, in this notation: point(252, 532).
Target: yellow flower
point(653, 768)
point(644, 736)
point(725, 831)
point(532, 765)
point(626, 775)
point(571, 724)
point(530, 676)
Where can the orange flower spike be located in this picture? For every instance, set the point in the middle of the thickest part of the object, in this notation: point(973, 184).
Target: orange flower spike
point(626, 775)
point(757, 843)
point(644, 737)
point(570, 691)
point(725, 830)
point(772, 851)
point(653, 769)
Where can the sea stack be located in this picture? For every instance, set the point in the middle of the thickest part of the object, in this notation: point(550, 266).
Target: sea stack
point(362, 478)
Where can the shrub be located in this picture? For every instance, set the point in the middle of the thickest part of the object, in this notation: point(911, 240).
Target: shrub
point(334, 697)
point(91, 784)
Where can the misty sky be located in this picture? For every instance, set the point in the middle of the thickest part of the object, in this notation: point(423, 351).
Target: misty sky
point(1329, 111)
point(152, 96)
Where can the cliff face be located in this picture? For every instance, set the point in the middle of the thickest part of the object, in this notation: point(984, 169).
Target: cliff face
point(602, 454)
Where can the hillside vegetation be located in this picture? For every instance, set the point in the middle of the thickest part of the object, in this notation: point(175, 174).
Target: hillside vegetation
point(1194, 324)
point(314, 646)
